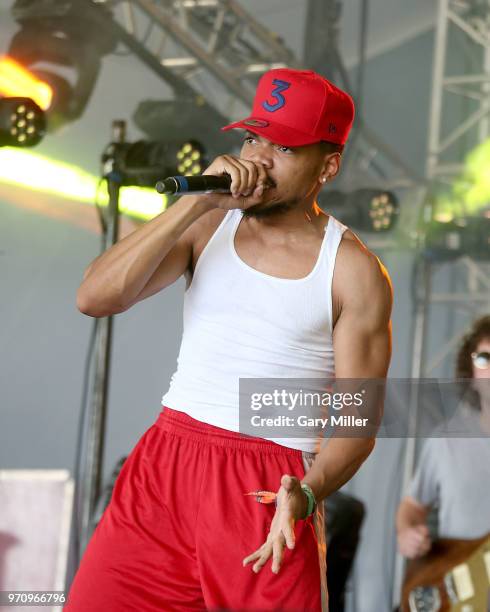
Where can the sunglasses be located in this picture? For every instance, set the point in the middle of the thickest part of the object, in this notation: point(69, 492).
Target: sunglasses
point(481, 360)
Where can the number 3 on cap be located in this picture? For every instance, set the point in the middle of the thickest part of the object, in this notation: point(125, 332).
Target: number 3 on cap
point(277, 94)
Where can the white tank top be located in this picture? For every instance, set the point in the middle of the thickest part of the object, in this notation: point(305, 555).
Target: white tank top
point(239, 322)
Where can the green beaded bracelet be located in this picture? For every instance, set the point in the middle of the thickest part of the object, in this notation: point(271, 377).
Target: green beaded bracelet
point(311, 499)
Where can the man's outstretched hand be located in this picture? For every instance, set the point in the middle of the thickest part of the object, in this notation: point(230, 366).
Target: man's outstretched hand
point(292, 505)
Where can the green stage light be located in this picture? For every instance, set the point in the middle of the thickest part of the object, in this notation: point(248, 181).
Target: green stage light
point(469, 193)
point(468, 236)
point(39, 173)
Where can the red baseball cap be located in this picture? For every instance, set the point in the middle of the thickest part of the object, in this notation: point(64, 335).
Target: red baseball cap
point(298, 107)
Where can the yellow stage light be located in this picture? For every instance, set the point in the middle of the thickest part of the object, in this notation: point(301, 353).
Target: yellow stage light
point(39, 173)
point(17, 81)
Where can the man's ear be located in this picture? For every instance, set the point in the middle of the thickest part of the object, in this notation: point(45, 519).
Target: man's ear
point(331, 167)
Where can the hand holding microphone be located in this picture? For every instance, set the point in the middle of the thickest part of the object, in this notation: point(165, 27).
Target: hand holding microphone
point(229, 182)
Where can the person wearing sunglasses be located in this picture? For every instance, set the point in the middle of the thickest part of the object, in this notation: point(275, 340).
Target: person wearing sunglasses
point(453, 472)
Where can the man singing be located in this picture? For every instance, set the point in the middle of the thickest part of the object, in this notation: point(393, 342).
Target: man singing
point(275, 288)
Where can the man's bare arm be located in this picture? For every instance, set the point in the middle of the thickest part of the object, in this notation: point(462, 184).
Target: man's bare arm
point(411, 513)
point(362, 347)
point(114, 281)
point(157, 254)
point(412, 530)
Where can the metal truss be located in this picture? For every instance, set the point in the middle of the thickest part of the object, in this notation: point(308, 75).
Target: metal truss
point(186, 40)
point(216, 38)
point(468, 295)
point(367, 159)
point(463, 30)
point(459, 120)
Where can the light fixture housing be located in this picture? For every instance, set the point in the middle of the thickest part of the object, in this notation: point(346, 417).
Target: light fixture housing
point(61, 43)
point(185, 119)
point(367, 209)
point(144, 163)
point(464, 236)
point(22, 122)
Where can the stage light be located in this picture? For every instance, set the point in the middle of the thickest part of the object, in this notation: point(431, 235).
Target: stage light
point(144, 162)
point(468, 236)
point(456, 218)
point(16, 81)
point(469, 193)
point(382, 209)
point(39, 173)
point(22, 122)
point(474, 185)
point(369, 210)
point(190, 158)
point(60, 45)
point(180, 120)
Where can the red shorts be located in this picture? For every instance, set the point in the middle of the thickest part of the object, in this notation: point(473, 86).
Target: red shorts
point(179, 525)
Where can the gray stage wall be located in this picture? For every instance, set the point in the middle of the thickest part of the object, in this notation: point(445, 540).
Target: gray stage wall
point(44, 338)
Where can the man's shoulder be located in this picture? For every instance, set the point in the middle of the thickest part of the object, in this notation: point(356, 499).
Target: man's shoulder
point(353, 252)
point(358, 271)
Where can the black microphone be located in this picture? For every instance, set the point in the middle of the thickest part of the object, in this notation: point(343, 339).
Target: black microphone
point(204, 183)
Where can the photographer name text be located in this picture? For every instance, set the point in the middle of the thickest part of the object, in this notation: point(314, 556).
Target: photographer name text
point(304, 421)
